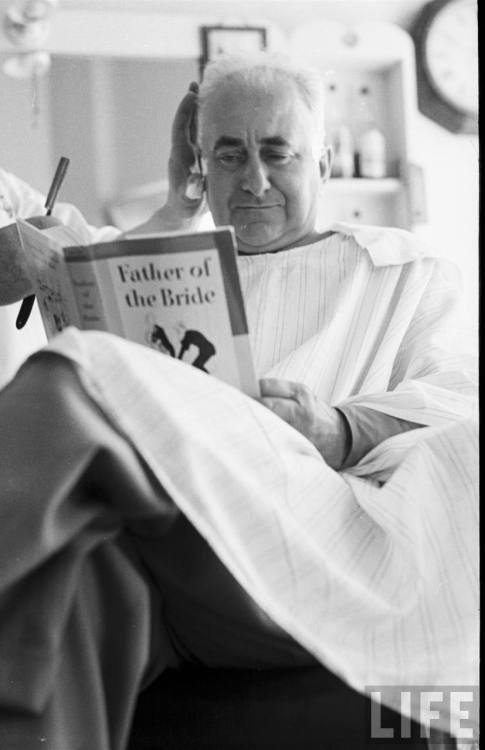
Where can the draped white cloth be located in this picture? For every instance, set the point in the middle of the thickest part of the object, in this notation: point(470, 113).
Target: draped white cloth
point(375, 569)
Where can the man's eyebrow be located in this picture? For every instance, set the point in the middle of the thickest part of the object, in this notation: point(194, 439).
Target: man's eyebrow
point(275, 140)
point(226, 140)
point(230, 142)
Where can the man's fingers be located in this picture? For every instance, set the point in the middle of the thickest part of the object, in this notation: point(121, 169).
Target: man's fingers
point(276, 387)
point(284, 389)
point(279, 406)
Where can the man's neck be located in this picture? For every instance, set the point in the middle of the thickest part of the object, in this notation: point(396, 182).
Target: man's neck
point(308, 239)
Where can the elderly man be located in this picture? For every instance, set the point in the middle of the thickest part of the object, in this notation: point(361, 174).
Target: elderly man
point(161, 516)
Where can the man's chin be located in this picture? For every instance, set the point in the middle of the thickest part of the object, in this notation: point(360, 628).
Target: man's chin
point(258, 241)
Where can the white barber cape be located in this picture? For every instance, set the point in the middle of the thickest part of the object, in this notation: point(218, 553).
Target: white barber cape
point(373, 570)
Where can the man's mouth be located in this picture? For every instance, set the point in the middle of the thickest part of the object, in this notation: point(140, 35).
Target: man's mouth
point(257, 208)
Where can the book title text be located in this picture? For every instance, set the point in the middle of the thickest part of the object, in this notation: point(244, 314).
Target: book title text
point(193, 292)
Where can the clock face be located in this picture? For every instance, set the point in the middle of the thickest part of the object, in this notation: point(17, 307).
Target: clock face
point(451, 53)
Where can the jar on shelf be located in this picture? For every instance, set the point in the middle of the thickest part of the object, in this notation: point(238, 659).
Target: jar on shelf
point(370, 152)
point(339, 135)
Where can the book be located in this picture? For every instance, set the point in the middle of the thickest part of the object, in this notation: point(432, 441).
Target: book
point(178, 293)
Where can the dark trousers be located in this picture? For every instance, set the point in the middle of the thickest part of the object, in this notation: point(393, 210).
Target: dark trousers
point(103, 582)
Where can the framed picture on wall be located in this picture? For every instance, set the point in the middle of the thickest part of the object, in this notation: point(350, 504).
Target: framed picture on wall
point(220, 40)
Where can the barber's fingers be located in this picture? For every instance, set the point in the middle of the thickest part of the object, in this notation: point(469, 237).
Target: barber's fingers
point(43, 222)
point(186, 184)
point(185, 109)
point(183, 126)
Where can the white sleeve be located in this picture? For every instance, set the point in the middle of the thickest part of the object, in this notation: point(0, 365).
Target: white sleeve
point(19, 199)
point(70, 215)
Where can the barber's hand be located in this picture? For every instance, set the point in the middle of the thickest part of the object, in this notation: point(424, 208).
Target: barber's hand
point(182, 209)
point(43, 222)
point(14, 279)
point(182, 158)
point(323, 425)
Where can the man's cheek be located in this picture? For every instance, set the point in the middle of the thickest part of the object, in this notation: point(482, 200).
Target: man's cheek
point(217, 199)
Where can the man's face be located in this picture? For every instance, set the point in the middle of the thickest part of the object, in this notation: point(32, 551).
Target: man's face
point(263, 170)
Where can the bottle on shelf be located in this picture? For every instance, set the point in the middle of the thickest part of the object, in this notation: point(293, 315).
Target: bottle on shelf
point(370, 153)
point(339, 136)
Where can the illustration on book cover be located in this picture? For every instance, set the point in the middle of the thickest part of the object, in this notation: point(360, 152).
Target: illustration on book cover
point(175, 303)
point(188, 341)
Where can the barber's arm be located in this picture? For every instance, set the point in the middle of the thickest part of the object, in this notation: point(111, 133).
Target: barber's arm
point(341, 436)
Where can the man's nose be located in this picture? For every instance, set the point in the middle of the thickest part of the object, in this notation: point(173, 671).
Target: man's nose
point(255, 178)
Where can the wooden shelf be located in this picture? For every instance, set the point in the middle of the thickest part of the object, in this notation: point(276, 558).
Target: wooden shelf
point(380, 57)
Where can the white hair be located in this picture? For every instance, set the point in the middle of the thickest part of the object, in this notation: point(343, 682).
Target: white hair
point(263, 70)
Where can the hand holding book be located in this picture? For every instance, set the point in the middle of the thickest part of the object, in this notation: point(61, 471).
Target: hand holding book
point(178, 293)
point(28, 302)
point(15, 283)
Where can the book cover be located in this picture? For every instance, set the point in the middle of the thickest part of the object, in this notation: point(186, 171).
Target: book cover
point(48, 273)
point(178, 293)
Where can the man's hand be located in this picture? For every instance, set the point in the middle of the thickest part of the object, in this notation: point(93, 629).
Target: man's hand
point(14, 279)
point(180, 210)
point(323, 425)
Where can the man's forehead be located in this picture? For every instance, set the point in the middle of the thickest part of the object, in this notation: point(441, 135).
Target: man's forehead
point(275, 116)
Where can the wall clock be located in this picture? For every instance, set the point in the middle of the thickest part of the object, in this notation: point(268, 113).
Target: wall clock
point(446, 42)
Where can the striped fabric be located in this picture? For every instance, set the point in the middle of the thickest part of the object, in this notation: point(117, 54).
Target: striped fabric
point(353, 327)
point(374, 570)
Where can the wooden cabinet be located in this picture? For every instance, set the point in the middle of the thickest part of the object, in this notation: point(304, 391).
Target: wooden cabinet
point(380, 58)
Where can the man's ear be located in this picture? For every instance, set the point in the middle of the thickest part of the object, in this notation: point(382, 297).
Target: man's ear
point(325, 163)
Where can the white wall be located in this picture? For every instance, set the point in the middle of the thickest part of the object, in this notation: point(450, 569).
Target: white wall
point(102, 165)
point(142, 160)
point(25, 141)
point(452, 192)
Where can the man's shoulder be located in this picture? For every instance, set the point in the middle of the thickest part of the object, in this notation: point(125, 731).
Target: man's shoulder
point(386, 246)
